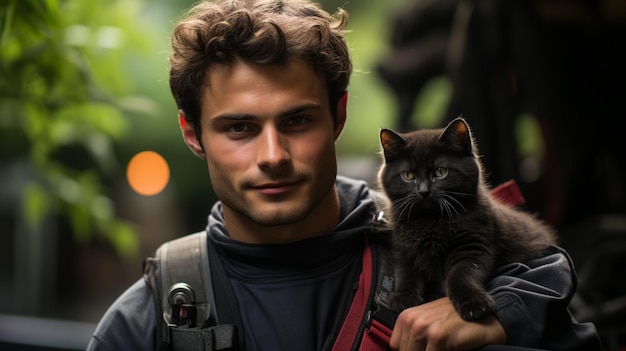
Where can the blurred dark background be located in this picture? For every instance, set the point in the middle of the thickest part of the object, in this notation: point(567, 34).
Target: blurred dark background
point(83, 88)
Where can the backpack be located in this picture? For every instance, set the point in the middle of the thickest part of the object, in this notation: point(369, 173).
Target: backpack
point(185, 302)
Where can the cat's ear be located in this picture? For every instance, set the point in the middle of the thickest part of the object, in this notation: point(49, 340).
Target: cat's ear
point(391, 141)
point(458, 135)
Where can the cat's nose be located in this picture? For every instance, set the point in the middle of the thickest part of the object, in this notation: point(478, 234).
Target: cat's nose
point(423, 188)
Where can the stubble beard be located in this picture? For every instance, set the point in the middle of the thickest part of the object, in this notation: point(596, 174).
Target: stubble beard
point(280, 212)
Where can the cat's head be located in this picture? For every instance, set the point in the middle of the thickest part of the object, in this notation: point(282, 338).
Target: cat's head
point(430, 172)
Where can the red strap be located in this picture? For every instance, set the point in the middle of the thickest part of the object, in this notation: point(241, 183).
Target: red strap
point(376, 337)
point(350, 328)
point(508, 193)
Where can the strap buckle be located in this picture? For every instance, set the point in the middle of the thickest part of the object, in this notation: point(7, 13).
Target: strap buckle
point(383, 315)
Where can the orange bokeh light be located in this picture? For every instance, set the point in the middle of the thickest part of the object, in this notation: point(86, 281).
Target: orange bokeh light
point(148, 173)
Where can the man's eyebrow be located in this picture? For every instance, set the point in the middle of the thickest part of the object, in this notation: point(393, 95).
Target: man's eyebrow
point(300, 108)
point(242, 117)
point(232, 117)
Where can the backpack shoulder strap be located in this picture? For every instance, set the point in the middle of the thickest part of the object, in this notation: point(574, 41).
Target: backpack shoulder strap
point(358, 309)
point(179, 274)
point(369, 321)
point(380, 318)
point(180, 278)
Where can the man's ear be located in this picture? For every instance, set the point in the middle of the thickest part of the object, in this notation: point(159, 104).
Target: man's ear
point(342, 111)
point(190, 136)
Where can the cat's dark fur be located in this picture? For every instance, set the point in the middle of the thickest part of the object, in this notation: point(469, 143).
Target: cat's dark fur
point(450, 235)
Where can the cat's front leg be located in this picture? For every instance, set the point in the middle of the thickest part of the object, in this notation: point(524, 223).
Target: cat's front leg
point(409, 289)
point(465, 287)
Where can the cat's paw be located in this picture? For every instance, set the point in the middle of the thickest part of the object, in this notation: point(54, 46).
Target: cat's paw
point(399, 301)
point(475, 308)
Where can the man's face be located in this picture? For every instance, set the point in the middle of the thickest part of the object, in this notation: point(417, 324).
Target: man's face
point(268, 137)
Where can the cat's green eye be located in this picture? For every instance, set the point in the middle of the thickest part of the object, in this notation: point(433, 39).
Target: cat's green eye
point(440, 172)
point(408, 175)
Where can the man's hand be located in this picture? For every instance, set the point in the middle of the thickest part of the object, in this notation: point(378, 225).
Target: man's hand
point(436, 326)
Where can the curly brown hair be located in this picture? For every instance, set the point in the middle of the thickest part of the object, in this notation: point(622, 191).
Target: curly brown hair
point(261, 32)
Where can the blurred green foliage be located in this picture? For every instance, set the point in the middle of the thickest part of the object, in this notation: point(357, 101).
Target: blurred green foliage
point(61, 106)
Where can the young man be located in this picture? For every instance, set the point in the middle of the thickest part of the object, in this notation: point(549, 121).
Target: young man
point(261, 86)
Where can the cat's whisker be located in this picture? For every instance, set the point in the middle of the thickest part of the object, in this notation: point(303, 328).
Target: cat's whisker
point(400, 205)
point(450, 209)
point(404, 207)
point(448, 196)
point(445, 205)
point(459, 193)
point(412, 204)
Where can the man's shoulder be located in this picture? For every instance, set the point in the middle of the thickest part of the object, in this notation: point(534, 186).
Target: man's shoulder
point(129, 323)
point(131, 304)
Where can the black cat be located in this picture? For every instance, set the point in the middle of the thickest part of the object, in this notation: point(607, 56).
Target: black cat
point(450, 235)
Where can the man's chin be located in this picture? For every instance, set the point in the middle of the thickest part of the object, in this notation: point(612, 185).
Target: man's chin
point(277, 216)
point(279, 220)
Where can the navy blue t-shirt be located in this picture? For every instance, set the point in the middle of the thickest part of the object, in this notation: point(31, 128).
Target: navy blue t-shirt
point(307, 290)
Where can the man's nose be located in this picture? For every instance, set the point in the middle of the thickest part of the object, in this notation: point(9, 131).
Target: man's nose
point(272, 149)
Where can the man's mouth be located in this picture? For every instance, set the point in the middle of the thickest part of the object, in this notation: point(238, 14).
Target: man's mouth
point(278, 188)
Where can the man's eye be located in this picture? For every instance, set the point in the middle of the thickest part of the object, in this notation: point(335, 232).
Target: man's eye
point(295, 121)
point(237, 128)
point(408, 175)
